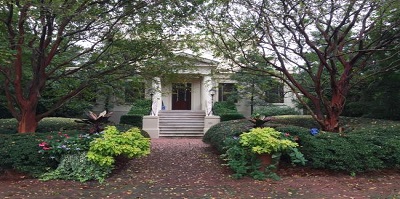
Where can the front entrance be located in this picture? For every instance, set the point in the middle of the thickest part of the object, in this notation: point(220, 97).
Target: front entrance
point(181, 96)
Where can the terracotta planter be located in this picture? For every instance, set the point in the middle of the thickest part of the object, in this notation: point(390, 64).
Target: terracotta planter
point(266, 160)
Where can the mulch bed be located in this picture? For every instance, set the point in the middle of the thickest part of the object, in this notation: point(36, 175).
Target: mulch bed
point(189, 168)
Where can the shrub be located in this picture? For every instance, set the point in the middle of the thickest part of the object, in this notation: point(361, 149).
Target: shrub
point(357, 151)
point(49, 124)
point(8, 126)
point(231, 116)
point(20, 152)
point(113, 143)
point(223, 130)
point(241, 160)
point(134, 120)
point(368, 144)
point(224, 107)
point(140, 107)
point(273, 110)
point(126, 127)
point(57, 145)
point(305, 121)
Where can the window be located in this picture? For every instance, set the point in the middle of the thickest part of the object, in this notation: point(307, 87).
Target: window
point(134, 91)
point(227, 92)
point(275, 94)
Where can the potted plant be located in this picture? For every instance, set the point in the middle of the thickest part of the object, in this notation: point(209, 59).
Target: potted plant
point(266, 142)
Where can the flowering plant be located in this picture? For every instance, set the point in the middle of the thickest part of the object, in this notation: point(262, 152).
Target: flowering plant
point(60, 144)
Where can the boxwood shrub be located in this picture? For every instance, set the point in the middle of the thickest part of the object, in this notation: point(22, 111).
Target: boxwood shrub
point(134, 120)
point(273, 110)
point(231, 116)
point(217, 134)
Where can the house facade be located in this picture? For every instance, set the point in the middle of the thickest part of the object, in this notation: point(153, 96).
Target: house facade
point(183, 106)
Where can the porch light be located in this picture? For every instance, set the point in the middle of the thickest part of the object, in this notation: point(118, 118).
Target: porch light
point(212, 93)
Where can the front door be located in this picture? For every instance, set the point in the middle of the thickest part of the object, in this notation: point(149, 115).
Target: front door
point(181, 96)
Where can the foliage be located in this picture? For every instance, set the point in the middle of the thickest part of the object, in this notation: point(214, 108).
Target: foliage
point(256, 87)
point(4, 112)
point(242, 152)
point(126, 127)
point(113, 143)
point(319, 50)
point(273, 110)
point(377, 100)
point(97, 121)
point(140, 107)
point(231, 116)
point(224, 107)
point(56, 146)
point(296, 120)
point(266, 140)
point(50, 124)
point(20, 152)
point(241, 160)
point(8, 126)
point(377, 148)
point(47, 59)
point(226, 110)
point(134, 120)
point(259, 120)
point(76, 166)
point(217, 134)
point(377, 143)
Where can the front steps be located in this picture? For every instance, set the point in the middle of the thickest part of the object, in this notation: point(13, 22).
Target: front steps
point(181, 123)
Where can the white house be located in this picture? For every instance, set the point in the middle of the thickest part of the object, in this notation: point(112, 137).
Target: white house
point(183, 107)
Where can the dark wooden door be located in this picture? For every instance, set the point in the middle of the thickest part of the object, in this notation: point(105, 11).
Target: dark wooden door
point(181, 96)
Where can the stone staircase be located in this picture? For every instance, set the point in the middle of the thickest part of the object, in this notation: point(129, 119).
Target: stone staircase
point(181, 123)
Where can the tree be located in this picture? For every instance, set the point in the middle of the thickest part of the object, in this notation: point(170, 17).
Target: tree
point(255, 85)
point(331, 42)
point(79, 44)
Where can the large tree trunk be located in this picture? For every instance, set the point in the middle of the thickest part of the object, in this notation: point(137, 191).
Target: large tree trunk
point(331, 123)
point(28, 122)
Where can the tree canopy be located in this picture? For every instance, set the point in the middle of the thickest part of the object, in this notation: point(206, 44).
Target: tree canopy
point(77, 44)
point(331, 43)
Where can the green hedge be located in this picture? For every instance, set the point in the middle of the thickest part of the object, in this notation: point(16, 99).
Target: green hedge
point(231, 116)
point(134, 120)
point(357, 151)
point(274, 110)
point(305, 121)
point(217, 134)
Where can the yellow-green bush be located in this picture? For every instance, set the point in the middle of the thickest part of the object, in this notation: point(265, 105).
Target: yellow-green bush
point(113, 143)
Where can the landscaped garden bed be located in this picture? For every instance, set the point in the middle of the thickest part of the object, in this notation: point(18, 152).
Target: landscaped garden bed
point(189, 168)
